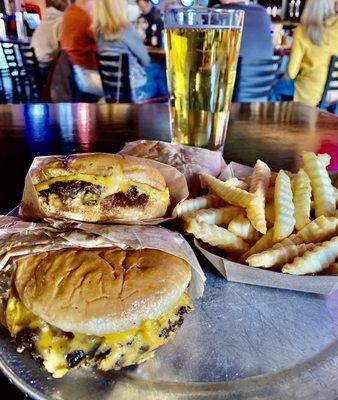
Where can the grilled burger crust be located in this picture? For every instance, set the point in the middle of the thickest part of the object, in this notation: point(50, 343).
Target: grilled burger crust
point(98, 188)
point(101, 291)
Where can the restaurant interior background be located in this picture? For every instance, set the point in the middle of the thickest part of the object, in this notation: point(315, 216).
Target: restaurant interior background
point(20, 77)
point(248, 338)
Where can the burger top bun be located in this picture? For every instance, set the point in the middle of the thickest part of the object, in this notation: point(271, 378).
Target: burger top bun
point(101, 291)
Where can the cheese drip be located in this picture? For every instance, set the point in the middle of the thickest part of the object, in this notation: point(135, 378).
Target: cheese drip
point(58, 349)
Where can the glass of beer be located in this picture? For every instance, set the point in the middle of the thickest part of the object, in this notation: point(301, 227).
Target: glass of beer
point(202, 47)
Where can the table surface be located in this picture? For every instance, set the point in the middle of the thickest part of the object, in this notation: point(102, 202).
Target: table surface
point(276, 133)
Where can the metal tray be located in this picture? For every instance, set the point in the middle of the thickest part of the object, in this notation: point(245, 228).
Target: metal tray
point(241, 342)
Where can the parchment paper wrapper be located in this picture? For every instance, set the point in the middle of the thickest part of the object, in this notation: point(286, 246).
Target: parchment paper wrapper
point(236, 272)
point(191, 161)
point(19, 238)
point(175, 180)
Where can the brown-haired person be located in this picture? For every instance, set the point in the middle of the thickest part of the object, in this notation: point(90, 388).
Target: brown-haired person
point(315, 41)
point(46, 37)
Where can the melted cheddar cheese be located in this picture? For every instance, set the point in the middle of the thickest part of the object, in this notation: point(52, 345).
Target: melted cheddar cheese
point(111, 351)
point(111, 184)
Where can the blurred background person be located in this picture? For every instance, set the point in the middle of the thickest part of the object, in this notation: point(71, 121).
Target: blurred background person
point(35, 6)
point(256, 37)
point(78, 41)
point(46, 37)
point(155, 23)
point(115, 35)
point(315, 41)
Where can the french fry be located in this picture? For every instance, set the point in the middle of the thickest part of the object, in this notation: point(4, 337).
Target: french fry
point(256, 213)
point(270, 213)
point(260, 178)
point(284, 208)
point(259, 184)
point(278, 256)
point(219, 237)
point(301, 188)
point(230, 194)
point(264, 243)
point(314, 261)
point(319, 230)
point(217, 216)
point(241, 227)
point(325, 159)
point(191, 205)
point(235, 182)
point(323, 191)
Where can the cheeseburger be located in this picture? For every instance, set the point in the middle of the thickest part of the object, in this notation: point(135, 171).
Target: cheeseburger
point(98, 188)
point(106, 308)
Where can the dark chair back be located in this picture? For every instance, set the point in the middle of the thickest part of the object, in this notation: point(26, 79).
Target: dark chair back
point(16, 72)
point(255, 79)
point(331, 84)
point(32, 69)
point(114, 72)
point(3, 97)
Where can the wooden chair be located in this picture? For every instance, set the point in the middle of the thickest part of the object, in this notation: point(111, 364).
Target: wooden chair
point(114, 72)
point(255, 79)
point(331, 87)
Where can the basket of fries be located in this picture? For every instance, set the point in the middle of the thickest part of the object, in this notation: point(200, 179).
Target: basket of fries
point(266, 228)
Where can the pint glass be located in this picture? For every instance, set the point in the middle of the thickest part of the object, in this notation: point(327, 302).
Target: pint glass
point(202, 47)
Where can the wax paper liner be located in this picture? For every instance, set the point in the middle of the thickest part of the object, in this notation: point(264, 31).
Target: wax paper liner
point(19, 238)
point(189, 160)
point(175, 180)
point(236, 272)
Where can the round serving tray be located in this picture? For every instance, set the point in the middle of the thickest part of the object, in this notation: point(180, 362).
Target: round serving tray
point(241, 342)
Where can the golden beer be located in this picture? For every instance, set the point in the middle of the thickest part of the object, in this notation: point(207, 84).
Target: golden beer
point(201, 72)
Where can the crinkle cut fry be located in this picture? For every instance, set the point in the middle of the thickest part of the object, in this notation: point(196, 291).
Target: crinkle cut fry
point(198, 203)
point(301, 188)
point(219, 237)
point(323, 191)
point(230, 194)
point(284, 208)
point(314, 261)
point(278, 256)
point(217, 216)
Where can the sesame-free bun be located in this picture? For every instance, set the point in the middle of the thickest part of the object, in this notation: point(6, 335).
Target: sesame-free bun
point(116, 174)
point(100, 291)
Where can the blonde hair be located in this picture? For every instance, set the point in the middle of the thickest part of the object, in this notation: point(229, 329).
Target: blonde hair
point(110, 18)
point(316, 12)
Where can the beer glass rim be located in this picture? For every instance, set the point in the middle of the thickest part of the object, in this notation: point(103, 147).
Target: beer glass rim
point(235, 16)
point(203, 10)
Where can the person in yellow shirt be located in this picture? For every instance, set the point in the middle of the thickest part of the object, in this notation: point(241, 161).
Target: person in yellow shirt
point(315, 41)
